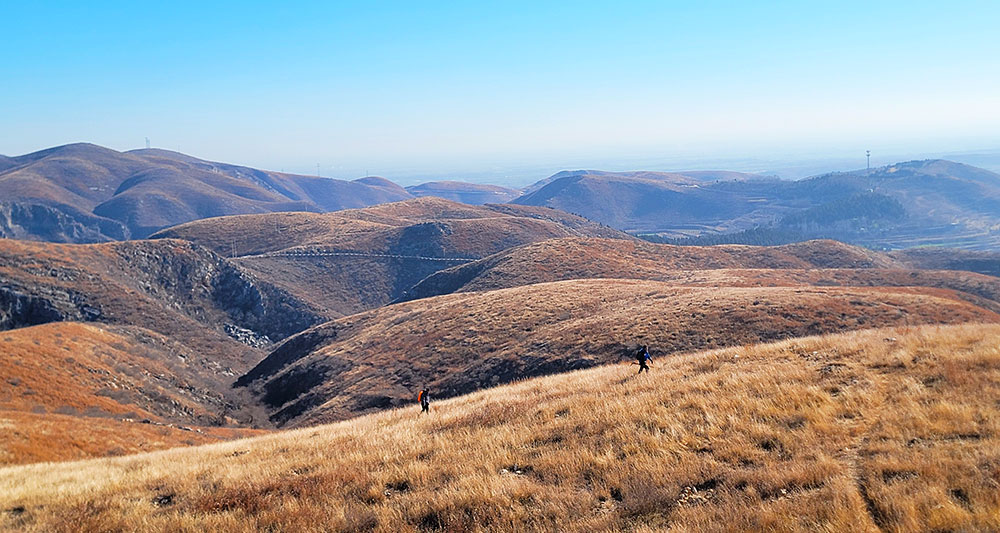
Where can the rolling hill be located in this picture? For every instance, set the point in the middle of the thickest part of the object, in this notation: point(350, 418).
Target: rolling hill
point(467, 193)
point(582, 258)
point(353, 260)
point(932, 202)
point(879, 430)
point(462, 342)
point(814, 263)
point(687, 177)
point(87, 193)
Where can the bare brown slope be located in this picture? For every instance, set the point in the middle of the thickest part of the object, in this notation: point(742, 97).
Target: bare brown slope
point(73, 390)
point(353, 260)
point(872, 431)
point(462, 342)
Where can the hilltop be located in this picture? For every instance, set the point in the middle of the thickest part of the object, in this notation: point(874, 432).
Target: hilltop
point(357, 259)
point(651, 177)
point(462, 342)
point(87, 193)
point(880, 430)
point(467, 193)
point(931, 202)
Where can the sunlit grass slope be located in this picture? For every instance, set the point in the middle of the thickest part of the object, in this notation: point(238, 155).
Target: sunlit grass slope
point(70, 391)
point(892, 430)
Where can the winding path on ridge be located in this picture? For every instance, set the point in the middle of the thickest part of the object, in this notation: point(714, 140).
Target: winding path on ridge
point(323, 253)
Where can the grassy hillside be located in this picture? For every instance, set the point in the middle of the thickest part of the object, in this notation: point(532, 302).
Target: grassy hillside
point(814, 263)
point(73, 390)
point(172, 287)
point(379, 251)
point(577, 258)
point(880, 430)
point(463, 342)
point(377, 229)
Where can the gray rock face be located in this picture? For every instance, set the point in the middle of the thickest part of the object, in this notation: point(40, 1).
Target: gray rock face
point(143, 283)
point(20, 220)
point(18, 309)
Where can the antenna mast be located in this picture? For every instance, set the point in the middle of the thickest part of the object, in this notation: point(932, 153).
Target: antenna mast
point(147, 143)
point(868, 155)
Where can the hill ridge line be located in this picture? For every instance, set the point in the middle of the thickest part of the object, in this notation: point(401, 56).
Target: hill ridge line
point(356, 254)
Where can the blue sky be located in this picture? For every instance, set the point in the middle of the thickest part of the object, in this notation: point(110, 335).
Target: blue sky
point(448, 87)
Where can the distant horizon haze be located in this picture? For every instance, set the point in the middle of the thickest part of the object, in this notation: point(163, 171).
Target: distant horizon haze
point(505, 93)
point(534, 167)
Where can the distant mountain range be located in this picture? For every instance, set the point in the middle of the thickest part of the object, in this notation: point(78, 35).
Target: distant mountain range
point(931, 202)
point(85, 193)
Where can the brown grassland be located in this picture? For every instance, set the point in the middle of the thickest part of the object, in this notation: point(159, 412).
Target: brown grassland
point(879, 430)
point(458, 343)
point(470, 230)
point(577, 258)
point(71, 391)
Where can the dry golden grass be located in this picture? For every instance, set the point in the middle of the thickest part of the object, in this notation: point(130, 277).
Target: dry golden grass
point(69, 365)
point(70, 391)
point(27, 437)
point(458, 343)
point(577, 258)
point(893, 430)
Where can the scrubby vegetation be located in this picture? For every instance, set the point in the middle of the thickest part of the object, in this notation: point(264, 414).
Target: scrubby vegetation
point(881, 430)
point(858, 210)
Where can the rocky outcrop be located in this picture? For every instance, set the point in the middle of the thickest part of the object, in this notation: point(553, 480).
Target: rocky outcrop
point(144, 283)
point(27, 220)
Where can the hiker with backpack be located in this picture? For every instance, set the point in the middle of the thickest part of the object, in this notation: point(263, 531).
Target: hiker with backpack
point(644, 358)
point(425, 401)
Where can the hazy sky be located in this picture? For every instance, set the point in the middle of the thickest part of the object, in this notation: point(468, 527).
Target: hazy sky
point(441, 86)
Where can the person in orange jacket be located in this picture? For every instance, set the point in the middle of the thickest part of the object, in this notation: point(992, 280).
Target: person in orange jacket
point(425, 401)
